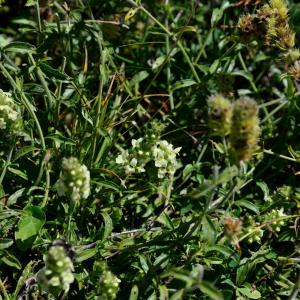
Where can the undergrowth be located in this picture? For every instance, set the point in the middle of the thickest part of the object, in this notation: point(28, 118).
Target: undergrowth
point(149, 149)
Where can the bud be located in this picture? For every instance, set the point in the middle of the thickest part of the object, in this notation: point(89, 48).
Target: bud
point(107, 284)
point(74, 180)
point(219, 115)
point(244, 129)
point(57, 275)
point(275, 219)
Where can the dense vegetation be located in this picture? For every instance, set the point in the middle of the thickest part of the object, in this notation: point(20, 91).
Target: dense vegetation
point(149, 149)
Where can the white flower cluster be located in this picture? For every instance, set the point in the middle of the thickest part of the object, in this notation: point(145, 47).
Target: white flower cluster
point(57, 275)
point(165, 158)
point(161, 152)
point(74, 180)
point(10, 117)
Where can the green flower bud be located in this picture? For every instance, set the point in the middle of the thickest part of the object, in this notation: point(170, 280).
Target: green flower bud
point(107, 284)
point(244, 129)
point(74, 180)
point(274, 217)
point(57, 275)
point(219, 115)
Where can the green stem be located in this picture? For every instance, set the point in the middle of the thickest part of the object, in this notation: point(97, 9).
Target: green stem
point(7, 162)
point(280, 155)
point(246, 70)
point(166, 30)
point(41, 77)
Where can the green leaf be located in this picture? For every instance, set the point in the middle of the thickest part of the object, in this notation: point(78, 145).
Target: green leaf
point(52, 73)
point(178, 295)
point(210, 290)
point(247, 204)
point(209, 230)
point(10, 259)
point(139, 77)
point(246, 75)
point(18, 173)
point(108, 225)
point(182, 84)
point(134, 293)
point(247, 291)
point(107, 184)
point(31, 221)
point(85, 254)
point(163, 292)
point(24, 150)
point(5, 243)
point(19, 47)
point(25, 274)
point(218, 14)
point(31, 2)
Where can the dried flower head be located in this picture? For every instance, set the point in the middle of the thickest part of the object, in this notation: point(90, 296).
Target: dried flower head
point(219, 115)
point(245, 129)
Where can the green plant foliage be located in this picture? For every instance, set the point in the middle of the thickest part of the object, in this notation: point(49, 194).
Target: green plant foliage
point(149, 149)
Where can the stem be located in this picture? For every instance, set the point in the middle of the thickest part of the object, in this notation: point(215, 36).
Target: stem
point(166, 30)
point(171, 98)
point(41, 77)
point(280, 155)
point(7, 162)
point(295, 290)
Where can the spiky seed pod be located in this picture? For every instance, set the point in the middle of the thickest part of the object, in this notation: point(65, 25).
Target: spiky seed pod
point(74, 180)
point(219, 115)
point(57, 275)
point(245, 129)
point(10, 119)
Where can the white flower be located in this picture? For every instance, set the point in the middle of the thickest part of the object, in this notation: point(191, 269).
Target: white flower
point(74, 180)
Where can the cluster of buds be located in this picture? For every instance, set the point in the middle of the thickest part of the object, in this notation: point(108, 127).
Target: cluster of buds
point(10, 118)
point(149, 149)
point(276, 219)
point(245, 129)
point(57, 275)
point(107, 282)
point(254, 234)
point(74, 180)
point(239, 120)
